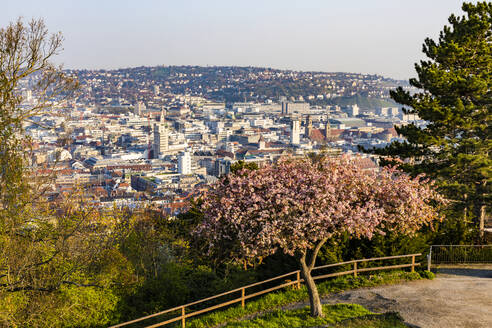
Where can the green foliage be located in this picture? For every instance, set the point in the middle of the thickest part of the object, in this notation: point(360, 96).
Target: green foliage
point(70, 306)
point(177, 284)
point(345, 248)
point(146, 233)
point(383, 245)
point(83, 307)
point(454, 148)
point(301, 317)
point(386, 320)
point(187, 221)
point(242, 165)
point(427, 274)
point(58, 266)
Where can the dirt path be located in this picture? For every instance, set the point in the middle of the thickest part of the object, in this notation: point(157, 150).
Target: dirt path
point(455, 298)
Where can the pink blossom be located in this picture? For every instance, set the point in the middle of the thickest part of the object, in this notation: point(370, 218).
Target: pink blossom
point(294, 204)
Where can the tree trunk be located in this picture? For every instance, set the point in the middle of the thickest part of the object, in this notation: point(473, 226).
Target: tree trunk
point(306, 268)
point(482, 223)
point(480, 210)
point(314, 300)
point(465, 209)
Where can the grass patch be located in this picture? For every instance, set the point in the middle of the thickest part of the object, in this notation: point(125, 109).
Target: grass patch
point(272, 301)
point(301, 318)
point(386, 320)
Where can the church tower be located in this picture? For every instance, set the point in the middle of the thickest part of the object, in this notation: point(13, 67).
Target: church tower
point(161, 136)
point(295, 131)
point(327, 126)
point(309, 126)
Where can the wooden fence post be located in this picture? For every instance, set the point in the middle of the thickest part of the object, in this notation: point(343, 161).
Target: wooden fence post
point(298, 279)
point(183, 317)
point(355, 269)
point(413, 263)
point(243, 291)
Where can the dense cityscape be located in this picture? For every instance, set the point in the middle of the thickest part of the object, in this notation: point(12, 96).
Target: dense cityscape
point(161, 135)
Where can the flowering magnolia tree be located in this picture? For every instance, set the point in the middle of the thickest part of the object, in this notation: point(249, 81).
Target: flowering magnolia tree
point(297, 205)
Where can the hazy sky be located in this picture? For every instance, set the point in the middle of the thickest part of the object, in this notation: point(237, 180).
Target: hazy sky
point(366, 36)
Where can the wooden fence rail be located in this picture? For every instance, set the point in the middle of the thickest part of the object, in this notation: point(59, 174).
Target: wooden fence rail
point(296, 280)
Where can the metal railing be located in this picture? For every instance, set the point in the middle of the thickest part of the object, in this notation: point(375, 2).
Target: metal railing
point(295, 280)
point(459, 254)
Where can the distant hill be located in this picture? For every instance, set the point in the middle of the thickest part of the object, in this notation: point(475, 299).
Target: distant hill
point(364, 102)
point(235, 84)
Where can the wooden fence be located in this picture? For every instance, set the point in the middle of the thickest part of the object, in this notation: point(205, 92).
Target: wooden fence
point(295, 280)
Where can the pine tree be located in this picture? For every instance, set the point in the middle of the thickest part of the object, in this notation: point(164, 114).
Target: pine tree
point(455, 99)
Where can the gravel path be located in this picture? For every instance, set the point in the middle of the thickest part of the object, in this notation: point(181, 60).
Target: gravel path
point(455, 298)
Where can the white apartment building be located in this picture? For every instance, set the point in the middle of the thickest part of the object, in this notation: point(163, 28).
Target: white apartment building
point(161, 139)
point(295, 133)
point(184, 163)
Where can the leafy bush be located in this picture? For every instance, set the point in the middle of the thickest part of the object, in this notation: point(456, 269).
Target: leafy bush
point(177, 284)
point(426, 274)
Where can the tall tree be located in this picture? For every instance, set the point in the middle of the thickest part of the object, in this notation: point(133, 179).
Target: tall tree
point(455, 99)
point(297, 205)
point(25, 53)
point(47, 252)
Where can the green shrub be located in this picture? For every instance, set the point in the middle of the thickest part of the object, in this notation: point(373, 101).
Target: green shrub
point(177, 284)
point(426, 274)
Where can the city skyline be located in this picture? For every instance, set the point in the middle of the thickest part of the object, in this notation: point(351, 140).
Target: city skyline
point(378, 37)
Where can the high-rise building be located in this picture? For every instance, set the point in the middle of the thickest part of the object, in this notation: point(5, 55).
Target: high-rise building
point(295, 132)
point(295, 107)
point(388, 111)
point(161, 137)
point(156, 90)
point(352, 110)
point(285, 108)
point(138, 108)
point(184, 163)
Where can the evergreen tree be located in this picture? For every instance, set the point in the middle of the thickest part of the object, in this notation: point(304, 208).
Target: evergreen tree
point(455, 99)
